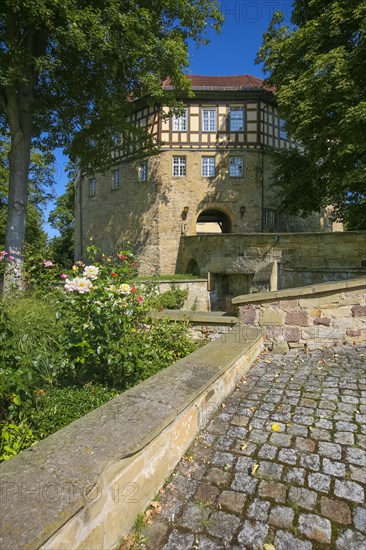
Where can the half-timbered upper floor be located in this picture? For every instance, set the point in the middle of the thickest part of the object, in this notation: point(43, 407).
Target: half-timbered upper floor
point(226, 112)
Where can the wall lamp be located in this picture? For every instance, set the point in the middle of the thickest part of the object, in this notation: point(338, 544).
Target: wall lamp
point(185, 212)
point(242, 211)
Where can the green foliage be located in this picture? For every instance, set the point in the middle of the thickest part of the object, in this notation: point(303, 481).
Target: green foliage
point(82, 64)
point(69, 72)
point(66, 350)
point(171, 299)
point(29, 352)
point(15, 438)
point(57, 407)
point(318, 67)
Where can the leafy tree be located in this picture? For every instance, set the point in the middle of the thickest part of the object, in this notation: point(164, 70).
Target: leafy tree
point(70, 70)
point(62, 218)
point(318, 68)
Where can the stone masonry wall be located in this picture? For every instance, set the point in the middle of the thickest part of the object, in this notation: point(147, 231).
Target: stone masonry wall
point(148, 214)
point(324, 314)
point(198, 296)
point(278, 260)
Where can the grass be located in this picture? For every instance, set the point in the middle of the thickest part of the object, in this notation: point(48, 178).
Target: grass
point(174, 277)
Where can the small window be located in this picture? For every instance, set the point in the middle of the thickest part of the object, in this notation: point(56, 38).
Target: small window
point(143, 171)
point(180, 123)
point(179, 166)
point(92, 187)
point(209, 120)
point(208, 167)
point(269, 217)
point(236, 120)
point(236, 167)
point(115, 179)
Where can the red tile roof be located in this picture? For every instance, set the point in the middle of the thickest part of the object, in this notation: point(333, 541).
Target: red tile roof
point(236, 82)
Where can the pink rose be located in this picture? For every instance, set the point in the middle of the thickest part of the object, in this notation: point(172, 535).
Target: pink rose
point(63, 276)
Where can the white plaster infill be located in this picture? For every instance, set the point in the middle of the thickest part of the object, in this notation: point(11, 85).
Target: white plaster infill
point(311, 290)
point(83, 486)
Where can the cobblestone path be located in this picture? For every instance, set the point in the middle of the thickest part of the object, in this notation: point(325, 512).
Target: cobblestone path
point(281, 465)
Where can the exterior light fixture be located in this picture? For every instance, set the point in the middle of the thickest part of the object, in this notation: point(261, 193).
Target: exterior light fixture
point(242, 211)
point(185, 212)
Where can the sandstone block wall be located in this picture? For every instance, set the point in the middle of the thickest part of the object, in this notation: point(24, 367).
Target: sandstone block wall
point(147, 215)
point(324, 314)
point(278, 260)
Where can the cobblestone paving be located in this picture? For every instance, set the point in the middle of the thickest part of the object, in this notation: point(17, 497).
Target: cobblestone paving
point(282, 463)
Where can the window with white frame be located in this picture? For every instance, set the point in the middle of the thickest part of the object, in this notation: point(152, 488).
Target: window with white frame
point(236, 119)
point(180, 123)
point(92, 187)
point(179, 166)
point(208, 167)
point(236, 167)
point(143, 171)
point(115, 179)
point(209, 120)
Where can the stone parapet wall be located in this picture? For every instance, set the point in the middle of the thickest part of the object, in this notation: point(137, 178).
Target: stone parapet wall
point(324, 314)
point(276, 260)
point(83, 487)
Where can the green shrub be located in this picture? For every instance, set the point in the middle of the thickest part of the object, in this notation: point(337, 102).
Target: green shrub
point(15, 438)
point(171, 299)
point(61, 349)
point(57, 407)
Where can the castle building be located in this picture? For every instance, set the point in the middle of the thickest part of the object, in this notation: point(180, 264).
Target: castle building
point(212, 173)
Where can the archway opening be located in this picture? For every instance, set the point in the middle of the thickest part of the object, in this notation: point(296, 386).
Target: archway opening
point(193, 268)
point(213, 221)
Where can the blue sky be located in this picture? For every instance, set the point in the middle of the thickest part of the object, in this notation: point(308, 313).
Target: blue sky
point(231, 52)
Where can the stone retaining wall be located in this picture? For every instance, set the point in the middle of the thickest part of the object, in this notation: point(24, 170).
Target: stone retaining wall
point(203, 325)
point(276, 260)
point(83, 486)
point(323, 314)
point(198, 296)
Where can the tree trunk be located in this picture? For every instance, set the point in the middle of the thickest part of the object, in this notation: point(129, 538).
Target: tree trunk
point(19, 160)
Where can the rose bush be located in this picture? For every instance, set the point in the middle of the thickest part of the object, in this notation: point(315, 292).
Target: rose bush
point(87, 328)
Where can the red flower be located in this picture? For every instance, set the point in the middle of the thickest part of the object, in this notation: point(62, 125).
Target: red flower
point(133, 290)
point(114, 274)
point(132, 264)
point(140, 299)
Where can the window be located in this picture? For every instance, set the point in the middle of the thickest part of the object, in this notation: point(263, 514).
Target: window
point(179, 166)
point(269, 217)
point(208, 167)
point(236, 167)
point(180, 123)
point(115, 179)
point(143, 171)
point(236, 120)
point(92, 187)
point(209, 120)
